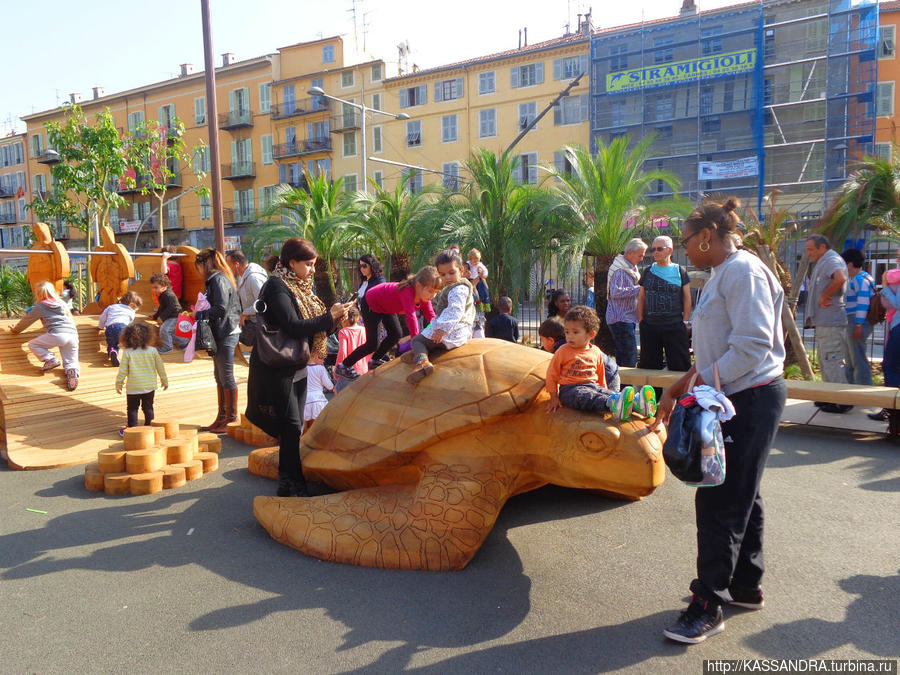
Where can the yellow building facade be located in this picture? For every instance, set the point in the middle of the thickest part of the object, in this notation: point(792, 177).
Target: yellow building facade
point(15, 190)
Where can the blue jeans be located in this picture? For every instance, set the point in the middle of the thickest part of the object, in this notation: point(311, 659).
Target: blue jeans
point(626, 344)
point(113, 331)
point(223, 361)
point(586, 396)
point(891, 362)
point(858, 369)
point(167, 336)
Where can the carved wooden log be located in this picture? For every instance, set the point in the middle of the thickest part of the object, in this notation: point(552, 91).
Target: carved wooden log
point(93, 478)
point(192, 470)
point(111, 460)
point(54, 266)
point(111, 273)
point(210, 461)
point(170, 427)
point(173, 477)
point(146, 483)
point(138, 438)
point(145, 461)
point(179, 450)
point(117, 483)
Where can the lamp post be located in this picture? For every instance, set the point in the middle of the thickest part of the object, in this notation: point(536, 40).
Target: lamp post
point(363, 109)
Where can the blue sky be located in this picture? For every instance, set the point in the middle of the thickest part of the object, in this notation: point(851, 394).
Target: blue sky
point(58, 46)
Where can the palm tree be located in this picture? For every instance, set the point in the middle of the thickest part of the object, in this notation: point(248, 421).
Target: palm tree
point(505, 219)
point(15, 291)
point(400, 225)
point(870, 195)
point(321, 213)
point(606, 194)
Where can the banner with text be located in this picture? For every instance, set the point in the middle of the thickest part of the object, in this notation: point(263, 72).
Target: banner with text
point(736, 168)
point(679, 72)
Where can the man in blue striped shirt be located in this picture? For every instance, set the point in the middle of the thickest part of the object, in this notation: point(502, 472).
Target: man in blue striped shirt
point(860, 289)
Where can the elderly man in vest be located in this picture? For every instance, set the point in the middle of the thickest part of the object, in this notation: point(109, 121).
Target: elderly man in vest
point(622, 291)
point(250, 278)
point(825, 311)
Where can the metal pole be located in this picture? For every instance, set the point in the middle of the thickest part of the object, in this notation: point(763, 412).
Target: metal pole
point(213, 126)
point(362, 126)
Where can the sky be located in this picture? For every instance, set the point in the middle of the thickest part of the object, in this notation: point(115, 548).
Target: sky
point(66, 46)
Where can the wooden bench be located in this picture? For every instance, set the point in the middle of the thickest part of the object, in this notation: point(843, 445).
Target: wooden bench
point(803, 390)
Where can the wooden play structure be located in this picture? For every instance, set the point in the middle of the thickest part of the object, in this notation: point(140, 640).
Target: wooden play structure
point(111, 273)
point(153, 458)
point(42, 425)
point(425, 470)
point(245, 432)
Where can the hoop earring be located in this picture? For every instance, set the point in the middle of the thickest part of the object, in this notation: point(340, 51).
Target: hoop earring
point(701, 245)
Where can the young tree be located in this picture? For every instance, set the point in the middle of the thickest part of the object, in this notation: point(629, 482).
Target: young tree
point(156, 153)
point(84, 181)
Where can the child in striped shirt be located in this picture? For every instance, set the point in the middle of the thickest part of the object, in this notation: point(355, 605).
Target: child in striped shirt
point(139, 365)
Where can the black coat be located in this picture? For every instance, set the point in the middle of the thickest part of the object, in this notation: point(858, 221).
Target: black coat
point(224, 306)
point(269, 390)
point(373, 282)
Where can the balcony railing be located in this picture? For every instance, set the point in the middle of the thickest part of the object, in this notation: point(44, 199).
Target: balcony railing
point(238, 216)
point(345, 121)
point(235, 119)
point(237, 170)
point(48, 156)
point(8, 190)
point(7, 218)
point(306, 106)
point(282, 150)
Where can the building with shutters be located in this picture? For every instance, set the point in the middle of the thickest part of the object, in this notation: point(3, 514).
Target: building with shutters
point(15, 192)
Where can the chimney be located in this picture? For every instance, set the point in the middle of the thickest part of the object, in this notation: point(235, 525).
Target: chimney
point(74, 98)
point(186, 69)
point(526, 36)
point(99, 92)
point(520, 38)
point(227, 59)
point(586, 25)
point(688, 8)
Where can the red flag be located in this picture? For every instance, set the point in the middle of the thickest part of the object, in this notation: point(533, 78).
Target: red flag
point(20, 193)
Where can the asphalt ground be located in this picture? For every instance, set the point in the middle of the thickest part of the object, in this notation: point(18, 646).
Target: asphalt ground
point(187, 581)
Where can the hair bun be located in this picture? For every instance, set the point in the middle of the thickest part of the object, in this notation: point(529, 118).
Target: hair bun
point(731, 204)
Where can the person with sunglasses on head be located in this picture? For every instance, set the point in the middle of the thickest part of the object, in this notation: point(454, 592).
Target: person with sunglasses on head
point(737, 338)
point(664, 311)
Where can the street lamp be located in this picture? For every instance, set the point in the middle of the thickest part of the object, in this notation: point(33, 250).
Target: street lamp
point(363, 109)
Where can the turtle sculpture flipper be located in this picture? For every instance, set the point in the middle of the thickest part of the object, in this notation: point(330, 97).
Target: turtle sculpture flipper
point(426, 469)
point(437, 525)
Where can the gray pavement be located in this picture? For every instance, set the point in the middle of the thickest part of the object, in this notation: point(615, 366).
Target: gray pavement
point(186, 580)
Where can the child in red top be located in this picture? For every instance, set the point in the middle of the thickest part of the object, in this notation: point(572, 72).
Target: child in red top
point(385, 302)
point(576, 376)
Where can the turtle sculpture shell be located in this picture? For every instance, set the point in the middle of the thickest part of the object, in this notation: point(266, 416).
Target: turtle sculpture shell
point(425, 469)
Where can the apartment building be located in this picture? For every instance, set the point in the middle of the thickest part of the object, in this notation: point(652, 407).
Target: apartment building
point(888, 74)
point(14, 191)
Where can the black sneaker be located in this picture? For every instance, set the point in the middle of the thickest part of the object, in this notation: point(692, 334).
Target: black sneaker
point(114, 357)
point(748, 598)
point(696, 623)
point(835, 408)
point(880, 416)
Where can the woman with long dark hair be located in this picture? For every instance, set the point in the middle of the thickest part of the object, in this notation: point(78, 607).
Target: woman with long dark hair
point(277, 396)
point(225, 324)
point(559, 304)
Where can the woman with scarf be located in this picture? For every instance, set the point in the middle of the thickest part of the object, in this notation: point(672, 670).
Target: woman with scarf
point(276, 396)
point(622, 289)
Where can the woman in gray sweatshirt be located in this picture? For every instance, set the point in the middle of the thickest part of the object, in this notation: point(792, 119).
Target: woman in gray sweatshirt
point(736, 327)
point(61, 332)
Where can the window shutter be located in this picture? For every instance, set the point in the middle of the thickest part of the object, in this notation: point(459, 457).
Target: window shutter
point(248, 157)
point(423, 92)
point(438, 92)
point(583, 64)
point(459, 87)
point(267, 149)
point(585, 107)
point(234, 154)
point(245, 100)
point(161, 114)
point(404, 98)
point(557, 69)
point(559, 160)
point(514, 77)
point(557, 114)
point(539, 72)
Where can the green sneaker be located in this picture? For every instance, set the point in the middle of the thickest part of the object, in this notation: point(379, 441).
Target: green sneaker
point(622, 404)
point(645, 401)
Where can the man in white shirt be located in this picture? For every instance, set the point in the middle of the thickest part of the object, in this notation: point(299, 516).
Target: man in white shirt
point(250, 278)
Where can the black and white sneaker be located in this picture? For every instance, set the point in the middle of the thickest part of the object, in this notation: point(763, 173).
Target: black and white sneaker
point(699, 621)
point(748, 598)
point(114, 357)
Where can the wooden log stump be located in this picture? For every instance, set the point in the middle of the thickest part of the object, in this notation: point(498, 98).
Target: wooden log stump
point(146, 483)
point(264, 462)
point(239, 434)
point(171, 427)
point(258, 438)
point(173, 477)
point(232, 426)
point(112, 460)
point(210, 461)
point(138, 438)
point(192, 470)
point(191, 436)
point(179, 450)
point(159, 434)
point(117, 483)
point(145, 461)
point(211, 442)
point(93, 478)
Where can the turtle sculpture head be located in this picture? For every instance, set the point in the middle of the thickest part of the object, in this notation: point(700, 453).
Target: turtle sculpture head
point(425, 470)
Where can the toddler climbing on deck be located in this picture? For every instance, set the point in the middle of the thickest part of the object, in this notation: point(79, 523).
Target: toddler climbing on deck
point(113, 320)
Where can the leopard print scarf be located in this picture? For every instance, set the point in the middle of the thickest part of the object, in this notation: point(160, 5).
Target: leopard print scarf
point(310, 306)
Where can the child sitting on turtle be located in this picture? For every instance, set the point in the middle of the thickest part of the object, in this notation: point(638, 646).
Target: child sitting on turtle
point(455, 314)
point(577, 374)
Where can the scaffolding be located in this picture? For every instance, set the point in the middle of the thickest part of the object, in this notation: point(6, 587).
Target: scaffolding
point(746, 99)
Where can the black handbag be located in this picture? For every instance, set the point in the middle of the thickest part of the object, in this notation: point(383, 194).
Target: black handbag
point(204, 339)
point(274, 347)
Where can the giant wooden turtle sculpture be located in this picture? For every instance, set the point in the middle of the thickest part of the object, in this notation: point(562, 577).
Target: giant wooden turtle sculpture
point(427, 469)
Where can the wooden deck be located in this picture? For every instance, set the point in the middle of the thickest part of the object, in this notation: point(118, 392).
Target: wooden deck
point(43, 426)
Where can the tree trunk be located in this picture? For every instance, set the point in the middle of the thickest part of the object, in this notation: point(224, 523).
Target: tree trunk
point(159, 217)
point(604, 338)
point(336, 275)
point(324, 283)
point(399, 266)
